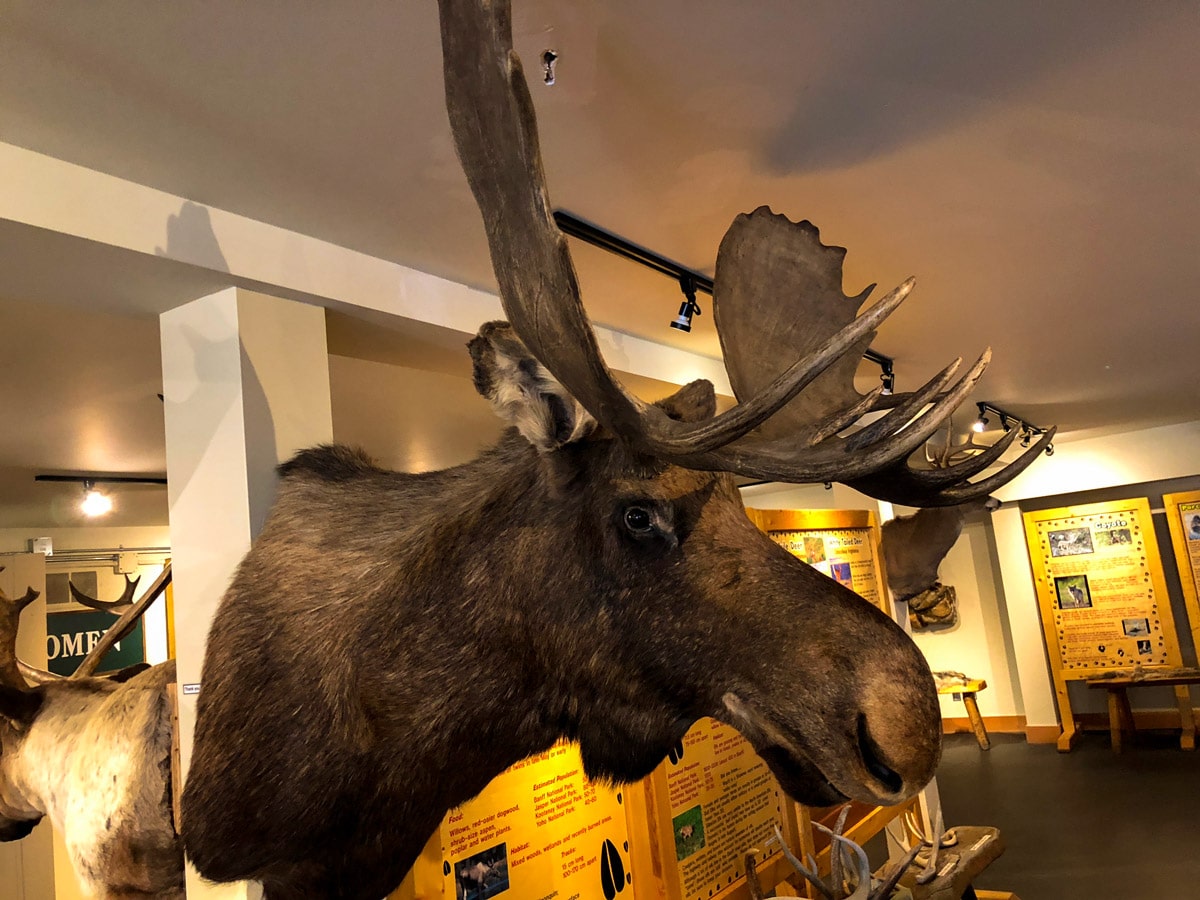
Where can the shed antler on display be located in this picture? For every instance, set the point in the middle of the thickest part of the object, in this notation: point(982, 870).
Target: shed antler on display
point(846, 858)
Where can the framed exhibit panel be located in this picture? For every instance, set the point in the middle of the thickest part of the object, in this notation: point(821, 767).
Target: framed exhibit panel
point(841, 543)
point(541, 829)
point(704, 808)
point(1183, 520)
point(1102, 597)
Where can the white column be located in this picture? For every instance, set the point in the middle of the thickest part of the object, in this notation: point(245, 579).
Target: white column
point(1025, 623)
point(245, 385)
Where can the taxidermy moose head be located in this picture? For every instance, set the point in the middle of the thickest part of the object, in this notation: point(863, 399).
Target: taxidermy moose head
point(94, 754)
point(592, 577)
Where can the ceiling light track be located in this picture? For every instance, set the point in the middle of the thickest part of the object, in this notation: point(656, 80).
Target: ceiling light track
point(1008, 422)
point(690, 281)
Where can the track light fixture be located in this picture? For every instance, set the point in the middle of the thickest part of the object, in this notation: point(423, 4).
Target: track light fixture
point(690, 282)
point(689, 307)
point(95, 502)
point(981, 423)
point(1008, 422)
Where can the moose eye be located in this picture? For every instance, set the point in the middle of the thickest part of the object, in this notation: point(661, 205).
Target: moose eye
point(638, 520)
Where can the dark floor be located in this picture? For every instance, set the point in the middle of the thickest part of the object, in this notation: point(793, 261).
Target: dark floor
point(1085, 825)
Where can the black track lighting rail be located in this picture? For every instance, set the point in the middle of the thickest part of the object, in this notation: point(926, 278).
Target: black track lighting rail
point(690, 281)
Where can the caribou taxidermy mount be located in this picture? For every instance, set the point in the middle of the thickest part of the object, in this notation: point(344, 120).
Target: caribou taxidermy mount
point(94, 754)
point(586, 578)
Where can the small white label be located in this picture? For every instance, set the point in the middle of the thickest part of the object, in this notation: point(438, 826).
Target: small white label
point(191, 689)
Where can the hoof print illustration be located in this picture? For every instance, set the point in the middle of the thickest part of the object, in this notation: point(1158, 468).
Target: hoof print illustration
point(675, 754)
point(612, 871)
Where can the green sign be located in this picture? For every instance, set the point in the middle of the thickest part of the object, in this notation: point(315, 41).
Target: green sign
point(71, 635)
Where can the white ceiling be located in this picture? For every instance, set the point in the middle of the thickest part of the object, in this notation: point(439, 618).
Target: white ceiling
point(1036, 165)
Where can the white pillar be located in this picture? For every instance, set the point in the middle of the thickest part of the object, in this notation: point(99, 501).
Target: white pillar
point(1025, 623)
point(245, 385)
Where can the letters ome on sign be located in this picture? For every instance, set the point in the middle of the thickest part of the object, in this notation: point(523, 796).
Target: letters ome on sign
point(70, 636)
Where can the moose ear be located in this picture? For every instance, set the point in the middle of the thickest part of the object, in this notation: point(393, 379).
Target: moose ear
point(18, 706)
point(523, 392)
point(693, 402)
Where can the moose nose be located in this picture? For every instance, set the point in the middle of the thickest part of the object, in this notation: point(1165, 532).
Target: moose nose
point(900, 730)
point(871, 757)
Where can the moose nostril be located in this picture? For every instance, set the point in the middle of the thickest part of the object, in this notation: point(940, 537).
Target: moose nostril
point(876, 766)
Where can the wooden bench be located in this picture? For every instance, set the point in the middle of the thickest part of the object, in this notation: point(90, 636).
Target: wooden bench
point(1120, 716)
point(968, 692)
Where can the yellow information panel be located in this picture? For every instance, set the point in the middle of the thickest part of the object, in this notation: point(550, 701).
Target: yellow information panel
point(1183, 519)
point(1096, 583)
point(1101, 593)
point(723, 800)
point(541, 831)
point(843, 544)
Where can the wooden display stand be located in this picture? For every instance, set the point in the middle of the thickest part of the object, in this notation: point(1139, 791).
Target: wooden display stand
point(1104, 602)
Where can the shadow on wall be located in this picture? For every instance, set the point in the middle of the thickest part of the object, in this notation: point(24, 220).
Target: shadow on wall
point(190, 238)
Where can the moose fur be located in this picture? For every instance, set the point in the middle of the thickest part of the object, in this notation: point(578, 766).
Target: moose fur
point(95, 756)
point(574, 591)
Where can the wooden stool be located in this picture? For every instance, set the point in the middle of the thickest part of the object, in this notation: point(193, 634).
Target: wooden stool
point(968, 692)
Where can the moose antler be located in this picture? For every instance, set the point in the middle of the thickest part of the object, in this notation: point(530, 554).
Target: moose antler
point(493, 124)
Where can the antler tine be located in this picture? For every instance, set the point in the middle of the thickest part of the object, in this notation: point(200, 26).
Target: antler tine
point(120, 605)
point(123, 626)
point(862, 890)
point(495, 133)
point(835, 858)
point(955, 473)
point(884, 889)
point(901, 484)
point(901, 415)
point(781, 460)
point(809, 872)
point(973, 491)
point(10, 621)
point(34, 675)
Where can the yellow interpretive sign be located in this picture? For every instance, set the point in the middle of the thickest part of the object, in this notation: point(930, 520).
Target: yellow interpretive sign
point(1102, 595)
point(1183, 520)
point(843, 544)
point(540, 831)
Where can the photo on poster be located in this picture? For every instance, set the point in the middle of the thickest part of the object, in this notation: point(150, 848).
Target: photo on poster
point(689, 832)
point(814, 549)
point(1073, 592)
point(1136, 627)
point(485, 874)
point(1071, 542)
point(841, 573)
point(1114, 537)
point(1143, 647)
point(1191, 522)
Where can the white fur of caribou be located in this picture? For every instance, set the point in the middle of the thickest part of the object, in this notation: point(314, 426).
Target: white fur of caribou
point(94, 754)
point(593, 576)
